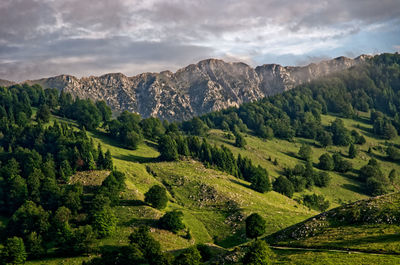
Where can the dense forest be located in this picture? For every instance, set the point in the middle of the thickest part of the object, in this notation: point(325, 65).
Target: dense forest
point(50, 216)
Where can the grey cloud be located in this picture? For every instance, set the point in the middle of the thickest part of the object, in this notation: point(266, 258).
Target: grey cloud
point(43, 37)
point(22, 20)
point(86, 56)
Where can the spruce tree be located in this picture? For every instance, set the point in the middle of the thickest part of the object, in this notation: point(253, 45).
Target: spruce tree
point(284, 186)
point(168, 148)
point(305, 152)
point(392, 175)
point(255, 226)
point(156, 197)
point(90, 163)
point(66, 167)
point(326, 162)
point(240, 141)
point(43, 113)
point(100, 158)
point(108, 162)
point(352, 151)
point(190, 256)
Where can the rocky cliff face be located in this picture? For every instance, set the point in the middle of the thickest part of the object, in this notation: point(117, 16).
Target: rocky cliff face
point(196, 89)
point(6, 82)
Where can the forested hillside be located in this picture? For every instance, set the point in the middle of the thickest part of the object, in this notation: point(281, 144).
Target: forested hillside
point(76, 182)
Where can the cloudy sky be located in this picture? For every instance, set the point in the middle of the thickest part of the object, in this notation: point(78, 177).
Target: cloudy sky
point(41, 38)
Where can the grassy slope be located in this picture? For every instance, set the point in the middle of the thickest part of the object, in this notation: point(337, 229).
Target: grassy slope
point(205, 223)
point(219, 202)
point(343, 188)
point(333, 230)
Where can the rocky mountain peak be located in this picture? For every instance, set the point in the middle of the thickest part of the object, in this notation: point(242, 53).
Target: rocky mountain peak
point(208, 85)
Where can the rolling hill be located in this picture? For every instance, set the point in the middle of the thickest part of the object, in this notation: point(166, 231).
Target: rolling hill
point(370, 225)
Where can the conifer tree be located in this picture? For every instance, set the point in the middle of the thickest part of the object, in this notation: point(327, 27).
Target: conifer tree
point(240, 141)
point(352, 151)
point(255, 226)
point(156, 197)
point(108, 162)
point(90, 164)
point(168, 148)
point(100, 158)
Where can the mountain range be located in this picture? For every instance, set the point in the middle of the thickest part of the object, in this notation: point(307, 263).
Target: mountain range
point(209, 85)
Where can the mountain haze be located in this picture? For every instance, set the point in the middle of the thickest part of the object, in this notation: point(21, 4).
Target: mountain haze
point(209, 85)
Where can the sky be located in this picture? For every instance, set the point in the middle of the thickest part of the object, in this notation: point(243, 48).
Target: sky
point(42, 38)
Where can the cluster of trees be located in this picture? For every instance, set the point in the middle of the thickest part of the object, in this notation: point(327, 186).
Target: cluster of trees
point(316, 202)
point(299, 178)
point(44, 210)
point(173, 145)
point(383, 125)
point(130, 129)
point(335, 162)
point(157, 198)
point(143, 249)
point(65, 221)
point(87, 114)
point(393, 153)
point(376, 182)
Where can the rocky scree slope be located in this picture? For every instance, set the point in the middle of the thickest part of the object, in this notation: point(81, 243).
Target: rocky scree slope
point(209, 85)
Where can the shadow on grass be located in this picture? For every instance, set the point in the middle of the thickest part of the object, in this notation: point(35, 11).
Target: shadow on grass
point(367, 131)
point(152, 144)
point(135, 158)
point(292, 154)
point(392, 238)
point(139, 222)
point(232, 240)
point(131, 203)
point(378, 156)
point(239, 183)
point(105, 138)
point(354, 188)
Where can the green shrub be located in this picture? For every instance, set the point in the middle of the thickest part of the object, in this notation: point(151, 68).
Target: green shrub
point(172, 221)
point(156, 197)
point(255, 226)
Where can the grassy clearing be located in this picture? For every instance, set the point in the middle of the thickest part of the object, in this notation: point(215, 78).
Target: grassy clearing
point(89, 178)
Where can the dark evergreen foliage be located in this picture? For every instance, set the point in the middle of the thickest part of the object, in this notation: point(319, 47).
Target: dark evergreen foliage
point(326, 162)
point(316, 202)
point(284, 186)
point(258, 253)
point(156, 197)
point(172, 221)
point(255, 226)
